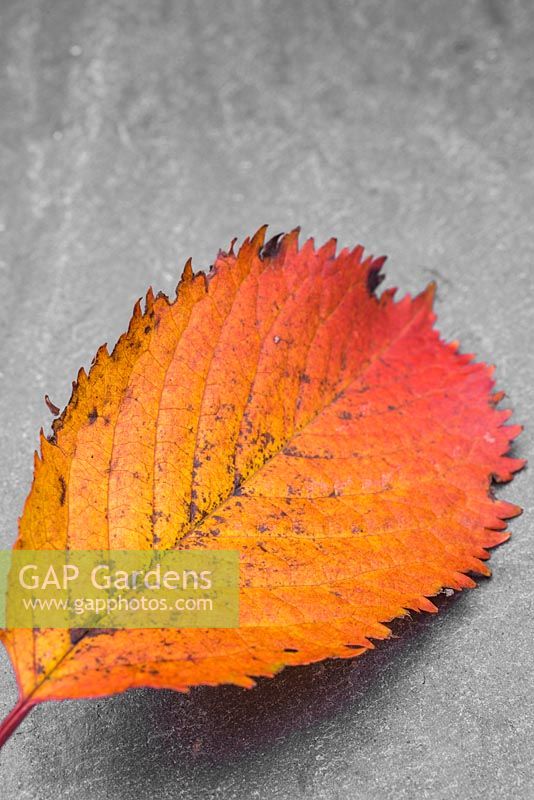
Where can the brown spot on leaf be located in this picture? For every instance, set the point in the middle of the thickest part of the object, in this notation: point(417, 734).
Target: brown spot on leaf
point(271, 248)
point(374, 278)
point(62, 490)
point(76, 634)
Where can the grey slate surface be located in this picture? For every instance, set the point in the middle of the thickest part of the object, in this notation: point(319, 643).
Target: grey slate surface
point(134, 133)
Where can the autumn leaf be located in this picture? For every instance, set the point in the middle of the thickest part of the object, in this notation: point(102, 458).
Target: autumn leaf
point(280, 408)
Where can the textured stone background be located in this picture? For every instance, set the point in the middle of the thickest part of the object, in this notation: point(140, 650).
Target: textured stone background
point(135, 133)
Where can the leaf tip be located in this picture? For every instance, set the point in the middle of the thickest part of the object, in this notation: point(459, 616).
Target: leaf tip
point(149, 299)
point(428, 295)
point(187, 274)
point(259, 238)
point(54, 410)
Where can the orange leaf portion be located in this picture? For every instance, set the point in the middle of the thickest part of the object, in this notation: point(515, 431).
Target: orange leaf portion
point(276, 407)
